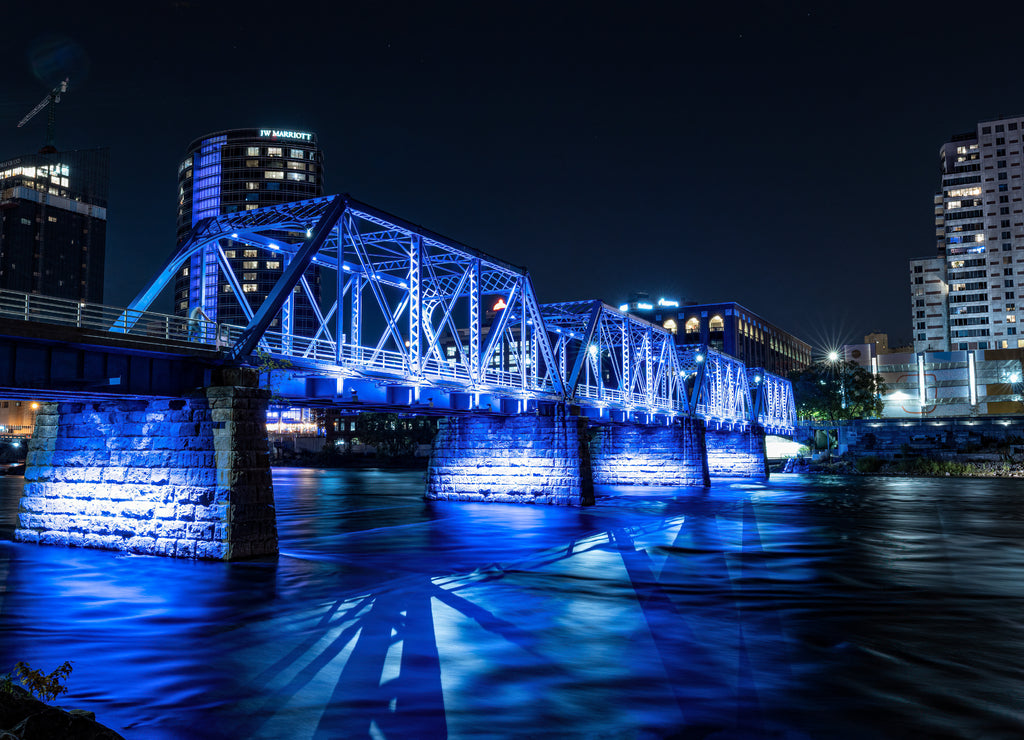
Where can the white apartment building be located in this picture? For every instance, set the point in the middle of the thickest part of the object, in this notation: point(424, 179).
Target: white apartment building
point(965, 297)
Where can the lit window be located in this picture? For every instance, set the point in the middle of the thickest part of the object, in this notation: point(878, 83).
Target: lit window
point(670, 325)
point(253, 151)
point(250, 266)
point(252, 163)
point(716, 324)
point(297, 166)
point(183, 305)
point(225, 288)
point(273, 151)
point(229, 253)
point(184, 272)
point(250, 253)
point(296, 176)
point(296, 153)
point(1011, 318)
point(273, 265)
point(273, 175)
point(252, 186)
point(248, 276)
point(693, 326)
point(251, 206)
point(249, 288)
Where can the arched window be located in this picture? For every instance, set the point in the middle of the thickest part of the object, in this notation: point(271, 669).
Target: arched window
point(693, 326)
point(716, 324)
point(670, 324)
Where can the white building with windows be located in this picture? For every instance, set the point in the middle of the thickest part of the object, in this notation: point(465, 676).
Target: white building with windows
point(965, 297)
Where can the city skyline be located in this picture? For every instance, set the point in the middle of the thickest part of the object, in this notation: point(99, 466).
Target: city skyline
point(765, 158)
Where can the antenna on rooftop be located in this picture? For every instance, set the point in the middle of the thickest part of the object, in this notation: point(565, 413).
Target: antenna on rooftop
point(50, 100)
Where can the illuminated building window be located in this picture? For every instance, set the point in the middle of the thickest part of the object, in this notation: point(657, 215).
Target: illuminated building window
point(670, 325)
point(229, 253)
point(297, 176)
point(183, 306)
point(296, 153)
point(273, 175)
point(248, 276)
point(184, 272)
point(252, 163)
point(252, 151)
point(250, 265)
point(225, 288)
point(251, 206)
point(249, 288)
point(693, 326)
point(716, 324)
point(273, 265)
point(297, 166)
point(250, 253)
point(1011, 318)
point(252, 186)
point(274, 151)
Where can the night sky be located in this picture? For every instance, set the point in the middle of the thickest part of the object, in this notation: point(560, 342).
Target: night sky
point(781, 156)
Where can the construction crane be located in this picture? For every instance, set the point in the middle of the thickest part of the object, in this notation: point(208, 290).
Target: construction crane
point(50, 100)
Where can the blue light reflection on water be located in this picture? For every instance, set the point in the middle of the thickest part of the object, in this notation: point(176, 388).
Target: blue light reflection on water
point(805, 607)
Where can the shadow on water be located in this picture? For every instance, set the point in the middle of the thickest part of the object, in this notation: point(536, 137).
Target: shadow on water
point(806, 607)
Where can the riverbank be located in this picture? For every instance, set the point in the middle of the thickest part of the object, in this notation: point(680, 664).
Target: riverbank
point(915, 467)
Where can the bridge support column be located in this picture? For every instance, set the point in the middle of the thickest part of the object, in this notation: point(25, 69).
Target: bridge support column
point(514, 459)
point(739, 454)
point(183, 478)
point(638, 455)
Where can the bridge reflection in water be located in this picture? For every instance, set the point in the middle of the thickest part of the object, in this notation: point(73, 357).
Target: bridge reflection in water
point(821, 608)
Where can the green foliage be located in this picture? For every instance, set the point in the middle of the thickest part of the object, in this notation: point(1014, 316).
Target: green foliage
point(869, 464)
point(832, 391)
point(44, 687)
point(266, 364)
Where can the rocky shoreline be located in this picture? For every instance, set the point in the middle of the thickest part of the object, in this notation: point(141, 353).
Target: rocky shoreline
point(913, 467)
point(24, 717)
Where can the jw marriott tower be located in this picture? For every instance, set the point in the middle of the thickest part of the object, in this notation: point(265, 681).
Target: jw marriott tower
point(965, 297)
point(241, 170)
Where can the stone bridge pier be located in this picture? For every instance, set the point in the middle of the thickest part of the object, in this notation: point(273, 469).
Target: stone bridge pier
point(735, 453)
point(557, 459)
point(187, 477)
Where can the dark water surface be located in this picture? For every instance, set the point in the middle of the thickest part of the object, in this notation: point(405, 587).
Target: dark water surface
point(801, 608)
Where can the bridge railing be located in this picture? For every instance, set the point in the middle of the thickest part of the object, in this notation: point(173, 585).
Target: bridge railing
point(18, 306)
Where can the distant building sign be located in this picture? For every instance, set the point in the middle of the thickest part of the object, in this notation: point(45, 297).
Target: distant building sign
point(275, 134)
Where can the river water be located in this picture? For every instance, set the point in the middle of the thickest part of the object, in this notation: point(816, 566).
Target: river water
point(805, 607)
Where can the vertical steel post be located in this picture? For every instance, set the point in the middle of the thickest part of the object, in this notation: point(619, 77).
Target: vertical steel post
point(627, 380)
point(649, 366)
point(357, 309)
point(339, 319)
point(415, 304)
point(474, 321)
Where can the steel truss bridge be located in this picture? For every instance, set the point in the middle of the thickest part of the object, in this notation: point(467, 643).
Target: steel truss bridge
point(419, 322)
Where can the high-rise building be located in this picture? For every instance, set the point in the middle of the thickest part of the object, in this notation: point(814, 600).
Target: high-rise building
point(53, 223)
point(241, 170)
point(965, 296)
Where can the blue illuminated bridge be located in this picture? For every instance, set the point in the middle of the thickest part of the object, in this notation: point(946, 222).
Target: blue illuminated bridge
point(542, 401)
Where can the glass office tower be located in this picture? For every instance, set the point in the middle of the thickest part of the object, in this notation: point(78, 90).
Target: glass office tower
point(241, 170)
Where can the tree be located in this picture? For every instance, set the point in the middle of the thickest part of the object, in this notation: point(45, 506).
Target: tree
point(831, 391)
